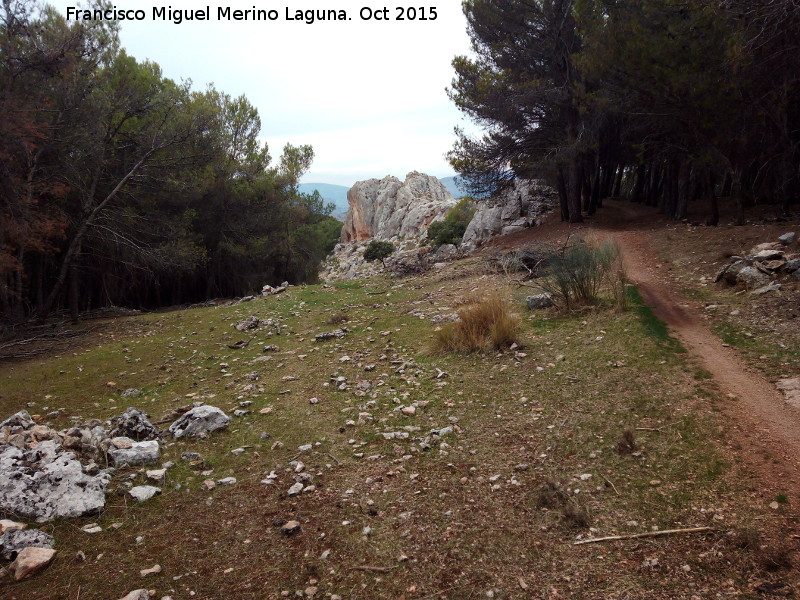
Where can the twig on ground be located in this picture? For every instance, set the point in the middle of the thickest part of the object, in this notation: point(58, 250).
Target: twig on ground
point(370, 569)
point(611, 483)
point(648, 534)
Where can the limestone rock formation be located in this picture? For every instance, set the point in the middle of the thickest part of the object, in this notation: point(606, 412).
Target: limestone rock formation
point(46, 482)
point(512, 210)
point(388, 209)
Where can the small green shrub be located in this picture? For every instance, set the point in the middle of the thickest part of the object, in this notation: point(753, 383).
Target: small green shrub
point(577, 276)
point(378, 251)
point(451, 229)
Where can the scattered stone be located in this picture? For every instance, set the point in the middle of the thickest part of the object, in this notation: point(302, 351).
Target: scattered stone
point(137, 595)
point(199, 422)
point(133, 424)
point(92, 528)
point(30, 561)
point(6, 525)
point(157, 475)
point(788, 238)
point(791, 390)
point(20, 420)
point(295, 490)
point(449, 318)
point(143, 493)
point(772, 287)
point(330, 335)
point(408, 410)
point(14, 541)
point(154, 570)
point(139, 453)
point(248, 324)
point(291, 528)
point(539, 301)
point(227, 481)
point(271, 348)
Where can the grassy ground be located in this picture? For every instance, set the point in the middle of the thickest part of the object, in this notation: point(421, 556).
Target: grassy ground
point(490, 509)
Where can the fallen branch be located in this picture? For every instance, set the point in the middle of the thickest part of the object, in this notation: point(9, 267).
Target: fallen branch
point(369, 569)
point(649, 534)
point(611, 483)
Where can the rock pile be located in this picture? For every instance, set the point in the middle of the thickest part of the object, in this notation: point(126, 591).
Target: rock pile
point(758, 269)
point(47, 474)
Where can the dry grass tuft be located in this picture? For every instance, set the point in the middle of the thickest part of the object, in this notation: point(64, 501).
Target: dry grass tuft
point(484, 325)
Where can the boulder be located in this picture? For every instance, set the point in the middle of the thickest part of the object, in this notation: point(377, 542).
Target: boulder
point(139, 453)
point(443, 253)
point(247, 324)
point(539, 301)
point(12, 542)
point(791, 390)
point(30, 561)
point(6, 525)
point(772, 287)
point(792, 265)
point(788, 238)
point(47, 482)
point(20, 420)
point(752, 278)
point(512, 210)
point(133, 424)
point(199, 422)
point(387, 208)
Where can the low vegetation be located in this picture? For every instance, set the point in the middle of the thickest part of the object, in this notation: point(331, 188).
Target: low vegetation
point(593, 428)
point(451, 229)
point(488, 324)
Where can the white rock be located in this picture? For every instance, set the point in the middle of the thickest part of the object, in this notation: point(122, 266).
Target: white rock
point(30, 561)
point(46, 483)
point(296, 489)
point(144, 492)
point(139, 453)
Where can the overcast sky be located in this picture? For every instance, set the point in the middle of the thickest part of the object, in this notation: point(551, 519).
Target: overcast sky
point(368, 95)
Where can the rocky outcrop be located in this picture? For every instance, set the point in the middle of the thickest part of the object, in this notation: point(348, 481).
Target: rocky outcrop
point(763, 263)
point(388, 209)
point(46, 482)
point(512, 210)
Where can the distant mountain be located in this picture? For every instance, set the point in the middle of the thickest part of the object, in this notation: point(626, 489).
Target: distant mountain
point(330, 193)
point(452, 187)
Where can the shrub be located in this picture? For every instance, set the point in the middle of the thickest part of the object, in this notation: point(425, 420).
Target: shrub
point(451, 229)
point(378, 251)
point(576, 276)
point(488, 324)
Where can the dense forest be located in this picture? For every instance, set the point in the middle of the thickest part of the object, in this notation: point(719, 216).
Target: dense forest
point(667, 102)
point(119, 186)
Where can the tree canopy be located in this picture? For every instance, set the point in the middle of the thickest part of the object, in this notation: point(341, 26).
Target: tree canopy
point(120, 186)
point(667, 101)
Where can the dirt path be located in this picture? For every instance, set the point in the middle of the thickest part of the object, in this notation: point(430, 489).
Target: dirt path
point(763, 425)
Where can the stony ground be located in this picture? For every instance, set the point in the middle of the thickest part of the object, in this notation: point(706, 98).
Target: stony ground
point(422, 475)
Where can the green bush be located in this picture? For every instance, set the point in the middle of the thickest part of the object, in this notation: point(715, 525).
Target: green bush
point(576, 276)
point(451, 229)
point(378, 251)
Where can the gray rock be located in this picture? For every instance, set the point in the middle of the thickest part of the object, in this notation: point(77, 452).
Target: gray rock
point(388, 208)
point(296, 489)
point(451, 318)
point(21, 420)
point(330, 335)
point(140, 453)
point(247, 324)
point(517, 208)
point(143, 493)
point(792, 265)
point(772, 287)
point(133, 424)
point(46, 483)
point(14, 540)
point(199, 422)
point(137, 595)
point(764, 255)
point(539, 301)
point(227, 481)
point(729, 272)
point(443, 253)
point(788, 238)
point(752, 278)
